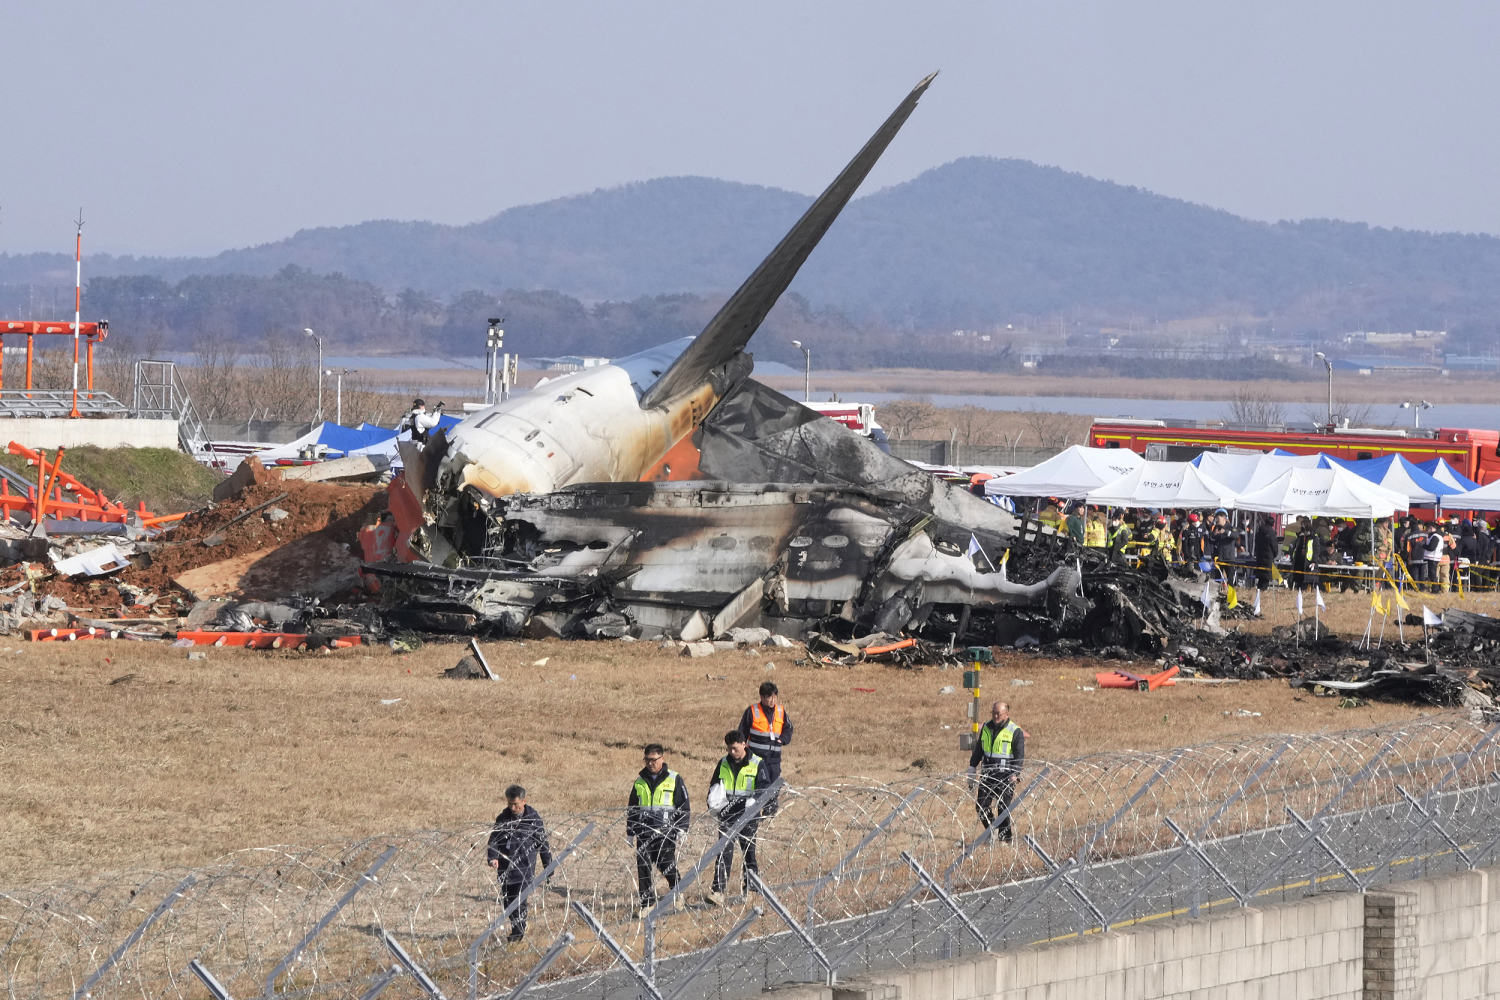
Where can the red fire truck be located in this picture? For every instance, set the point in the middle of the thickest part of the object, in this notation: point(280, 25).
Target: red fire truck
point(1474, 453)
point(858, 417)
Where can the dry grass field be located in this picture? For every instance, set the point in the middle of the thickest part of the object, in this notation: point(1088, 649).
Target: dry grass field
point(126, 755)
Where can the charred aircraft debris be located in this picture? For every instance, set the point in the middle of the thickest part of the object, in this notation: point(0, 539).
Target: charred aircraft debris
point(670, 494)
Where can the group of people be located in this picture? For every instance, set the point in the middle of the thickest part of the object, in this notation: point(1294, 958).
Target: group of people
point(657, 814)
point(1435, 552)
point(658, 808)
point(1244, 552)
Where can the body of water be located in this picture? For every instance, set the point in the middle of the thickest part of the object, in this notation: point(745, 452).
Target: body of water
point(1476, 415)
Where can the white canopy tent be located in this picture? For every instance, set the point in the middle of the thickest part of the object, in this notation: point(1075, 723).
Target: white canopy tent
point(1334, 492)
point(1163, 484)
point(1243, 472)
point(1486, 497)
point(1070, 474)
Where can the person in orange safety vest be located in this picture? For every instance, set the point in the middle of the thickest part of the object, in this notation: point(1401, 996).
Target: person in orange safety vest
point(767, 729)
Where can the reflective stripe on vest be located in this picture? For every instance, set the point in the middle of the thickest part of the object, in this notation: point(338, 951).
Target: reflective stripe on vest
point(996, 747)
point(742, 785)
point(761, 729)
point(656, 803)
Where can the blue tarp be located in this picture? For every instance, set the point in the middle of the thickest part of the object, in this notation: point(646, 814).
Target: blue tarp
point(346, 439)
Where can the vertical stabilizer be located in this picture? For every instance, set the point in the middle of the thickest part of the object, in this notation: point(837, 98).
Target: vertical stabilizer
point(729, 331)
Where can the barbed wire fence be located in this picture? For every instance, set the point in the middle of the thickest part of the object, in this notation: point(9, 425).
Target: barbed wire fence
point(855, 877)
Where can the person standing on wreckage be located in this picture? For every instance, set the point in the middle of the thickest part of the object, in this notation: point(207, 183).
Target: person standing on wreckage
point(767, 729)
point(994, 763)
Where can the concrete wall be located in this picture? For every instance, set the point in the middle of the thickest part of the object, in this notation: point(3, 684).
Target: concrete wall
point(1427, 940)
point(106, 432)
point(1455, 951)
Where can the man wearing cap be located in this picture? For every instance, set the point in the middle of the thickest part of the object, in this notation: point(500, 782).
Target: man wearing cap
point(1162, 544)
point(419, 422)
point(1219, 545)
point(1190, 545)
point(1119, 536)
point(518, 837)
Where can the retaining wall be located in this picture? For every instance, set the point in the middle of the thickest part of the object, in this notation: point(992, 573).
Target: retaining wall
point(106, 432)
point(1411, 941)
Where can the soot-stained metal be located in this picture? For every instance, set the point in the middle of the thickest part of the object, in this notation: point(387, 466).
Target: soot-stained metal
point(668, 493)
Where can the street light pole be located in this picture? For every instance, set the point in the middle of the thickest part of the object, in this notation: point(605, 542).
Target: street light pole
point(1329, 365)
point(308, 330)
point(806, 370)
point(1416, 406)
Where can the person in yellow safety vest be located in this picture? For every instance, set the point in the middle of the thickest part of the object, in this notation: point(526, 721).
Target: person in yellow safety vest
point(736, 779)
point(994, 763)
point(1119, 537)
point(656, 817)
point(1051, 516)
point(767, 729)
point(1093, 532)
point(1163, 544)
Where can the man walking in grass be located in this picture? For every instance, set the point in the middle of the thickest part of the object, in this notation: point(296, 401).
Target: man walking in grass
point(994, 763)
point(656, 816)
point(766, 729)
point(732, 788)
point(518, 837)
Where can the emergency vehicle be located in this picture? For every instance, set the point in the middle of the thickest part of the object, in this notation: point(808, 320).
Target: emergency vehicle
point(858, 417)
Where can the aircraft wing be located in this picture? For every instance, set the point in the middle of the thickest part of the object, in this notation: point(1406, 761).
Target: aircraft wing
point(729, 330)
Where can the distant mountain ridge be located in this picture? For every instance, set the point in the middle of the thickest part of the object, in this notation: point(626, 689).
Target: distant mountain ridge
point(970, 244)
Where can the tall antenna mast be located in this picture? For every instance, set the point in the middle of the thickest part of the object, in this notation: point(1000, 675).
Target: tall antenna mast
point(77, 305)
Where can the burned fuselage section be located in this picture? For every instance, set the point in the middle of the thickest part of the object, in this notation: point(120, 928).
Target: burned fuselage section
point(699, 558)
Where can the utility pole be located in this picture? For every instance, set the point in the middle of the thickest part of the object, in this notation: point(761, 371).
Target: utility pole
point(308, 330)
point(338, 417)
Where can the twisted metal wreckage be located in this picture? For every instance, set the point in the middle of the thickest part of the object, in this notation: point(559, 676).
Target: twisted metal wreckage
point(670, 494)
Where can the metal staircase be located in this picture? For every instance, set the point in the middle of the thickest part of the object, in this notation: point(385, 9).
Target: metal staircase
point(161, 395)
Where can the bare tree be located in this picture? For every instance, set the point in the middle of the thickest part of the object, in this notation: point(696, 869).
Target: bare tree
point(1346, 413)
point(1256, 408)
point(903, 416)
point(973, 424)
point(1052, 430)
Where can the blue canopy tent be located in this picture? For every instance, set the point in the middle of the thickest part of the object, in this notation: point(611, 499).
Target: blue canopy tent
point(1443, 471)
point(1396, 472)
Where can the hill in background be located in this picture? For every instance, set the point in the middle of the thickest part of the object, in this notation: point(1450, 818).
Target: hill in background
point(978, 244)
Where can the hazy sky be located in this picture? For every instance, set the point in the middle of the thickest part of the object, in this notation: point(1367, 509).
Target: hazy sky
point(192, 127)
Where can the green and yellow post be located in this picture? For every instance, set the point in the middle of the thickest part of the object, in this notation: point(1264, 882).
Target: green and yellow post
point(978, 656)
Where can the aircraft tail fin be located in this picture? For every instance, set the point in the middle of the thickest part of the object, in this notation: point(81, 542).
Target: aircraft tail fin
point(728, 332)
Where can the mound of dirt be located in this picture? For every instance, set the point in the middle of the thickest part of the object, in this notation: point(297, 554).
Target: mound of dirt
point(303, 539)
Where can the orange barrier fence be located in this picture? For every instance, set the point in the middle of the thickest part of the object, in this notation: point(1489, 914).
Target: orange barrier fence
point(59, 495)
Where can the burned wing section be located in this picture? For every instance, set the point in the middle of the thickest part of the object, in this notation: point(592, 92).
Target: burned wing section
point(699, 558)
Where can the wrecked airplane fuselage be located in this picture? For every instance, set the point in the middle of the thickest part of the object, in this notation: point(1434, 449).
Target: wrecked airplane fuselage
point(668, 558)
